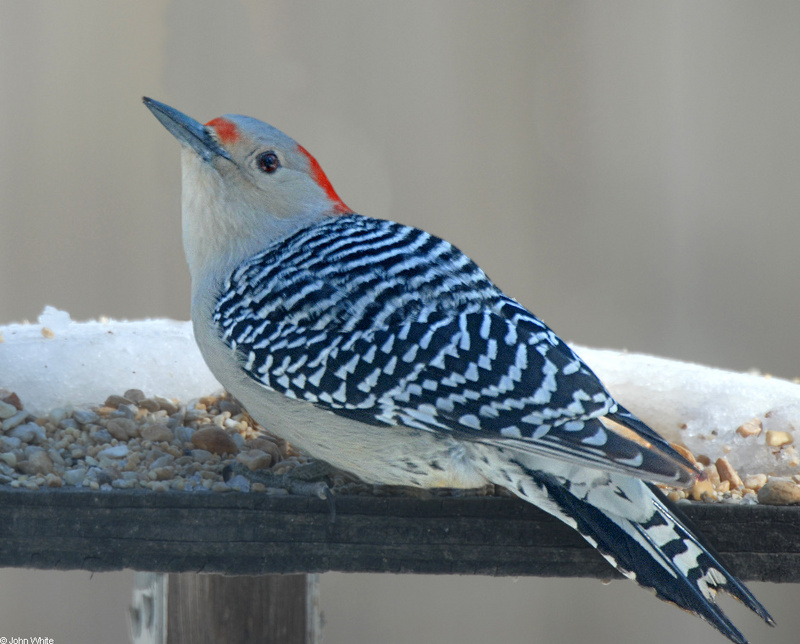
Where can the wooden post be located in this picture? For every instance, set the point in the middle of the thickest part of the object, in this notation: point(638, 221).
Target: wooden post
point(183, 608)
point(147, 613)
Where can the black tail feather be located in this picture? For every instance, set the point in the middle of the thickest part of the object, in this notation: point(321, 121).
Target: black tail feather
point(734, 587)
point(661, 553)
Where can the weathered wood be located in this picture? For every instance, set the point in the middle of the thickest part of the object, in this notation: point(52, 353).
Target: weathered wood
point(237, 533)
point(174, 608)
point(147, 614)
point(208, 609)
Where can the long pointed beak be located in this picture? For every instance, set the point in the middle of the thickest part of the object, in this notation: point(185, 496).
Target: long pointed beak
point(187, 130)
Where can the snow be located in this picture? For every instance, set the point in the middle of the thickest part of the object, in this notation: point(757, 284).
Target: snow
point(702, 407)
point(58, 362)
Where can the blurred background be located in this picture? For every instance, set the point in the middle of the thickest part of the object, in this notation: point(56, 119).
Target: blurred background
point(626, 169)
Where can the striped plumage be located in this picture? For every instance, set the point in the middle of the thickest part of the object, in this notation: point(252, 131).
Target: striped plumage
point(392, 326)
point(387, 352)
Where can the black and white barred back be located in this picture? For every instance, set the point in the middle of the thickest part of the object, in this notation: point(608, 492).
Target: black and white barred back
point(388, 325)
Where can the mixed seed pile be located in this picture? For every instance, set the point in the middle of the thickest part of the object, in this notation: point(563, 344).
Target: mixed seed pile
point(133, 441)
point(722, 483)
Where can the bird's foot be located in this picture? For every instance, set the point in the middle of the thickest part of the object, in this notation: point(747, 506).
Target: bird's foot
point(303, 480)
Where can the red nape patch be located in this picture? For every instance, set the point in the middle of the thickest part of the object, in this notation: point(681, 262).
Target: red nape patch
point(323, 181)
point(225, 129)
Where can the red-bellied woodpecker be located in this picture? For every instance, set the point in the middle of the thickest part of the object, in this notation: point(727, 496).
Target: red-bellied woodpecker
point(388, 353)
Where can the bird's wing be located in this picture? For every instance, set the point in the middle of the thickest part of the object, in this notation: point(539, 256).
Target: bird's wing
point(397, 327)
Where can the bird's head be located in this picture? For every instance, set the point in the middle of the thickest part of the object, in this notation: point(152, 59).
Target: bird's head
point(245, 183)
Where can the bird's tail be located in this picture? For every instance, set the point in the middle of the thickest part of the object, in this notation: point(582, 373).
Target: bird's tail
point(636, 528)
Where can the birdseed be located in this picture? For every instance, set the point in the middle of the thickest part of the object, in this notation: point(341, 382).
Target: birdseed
point(133, 441)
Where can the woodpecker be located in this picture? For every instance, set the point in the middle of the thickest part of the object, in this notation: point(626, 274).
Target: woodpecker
point(386, 352)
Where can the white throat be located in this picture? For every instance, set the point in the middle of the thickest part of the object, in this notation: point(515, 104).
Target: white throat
point(221, 227)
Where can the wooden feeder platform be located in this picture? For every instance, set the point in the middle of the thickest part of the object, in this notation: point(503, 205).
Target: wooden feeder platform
point(253, 534)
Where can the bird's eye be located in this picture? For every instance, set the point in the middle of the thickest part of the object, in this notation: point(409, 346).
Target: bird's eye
point(268, 162)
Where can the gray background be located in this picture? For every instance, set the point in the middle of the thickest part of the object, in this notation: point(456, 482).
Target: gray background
point(628, 170)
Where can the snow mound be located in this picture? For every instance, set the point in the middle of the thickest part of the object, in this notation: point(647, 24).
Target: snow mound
point(702, 407)
point(57, 362)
